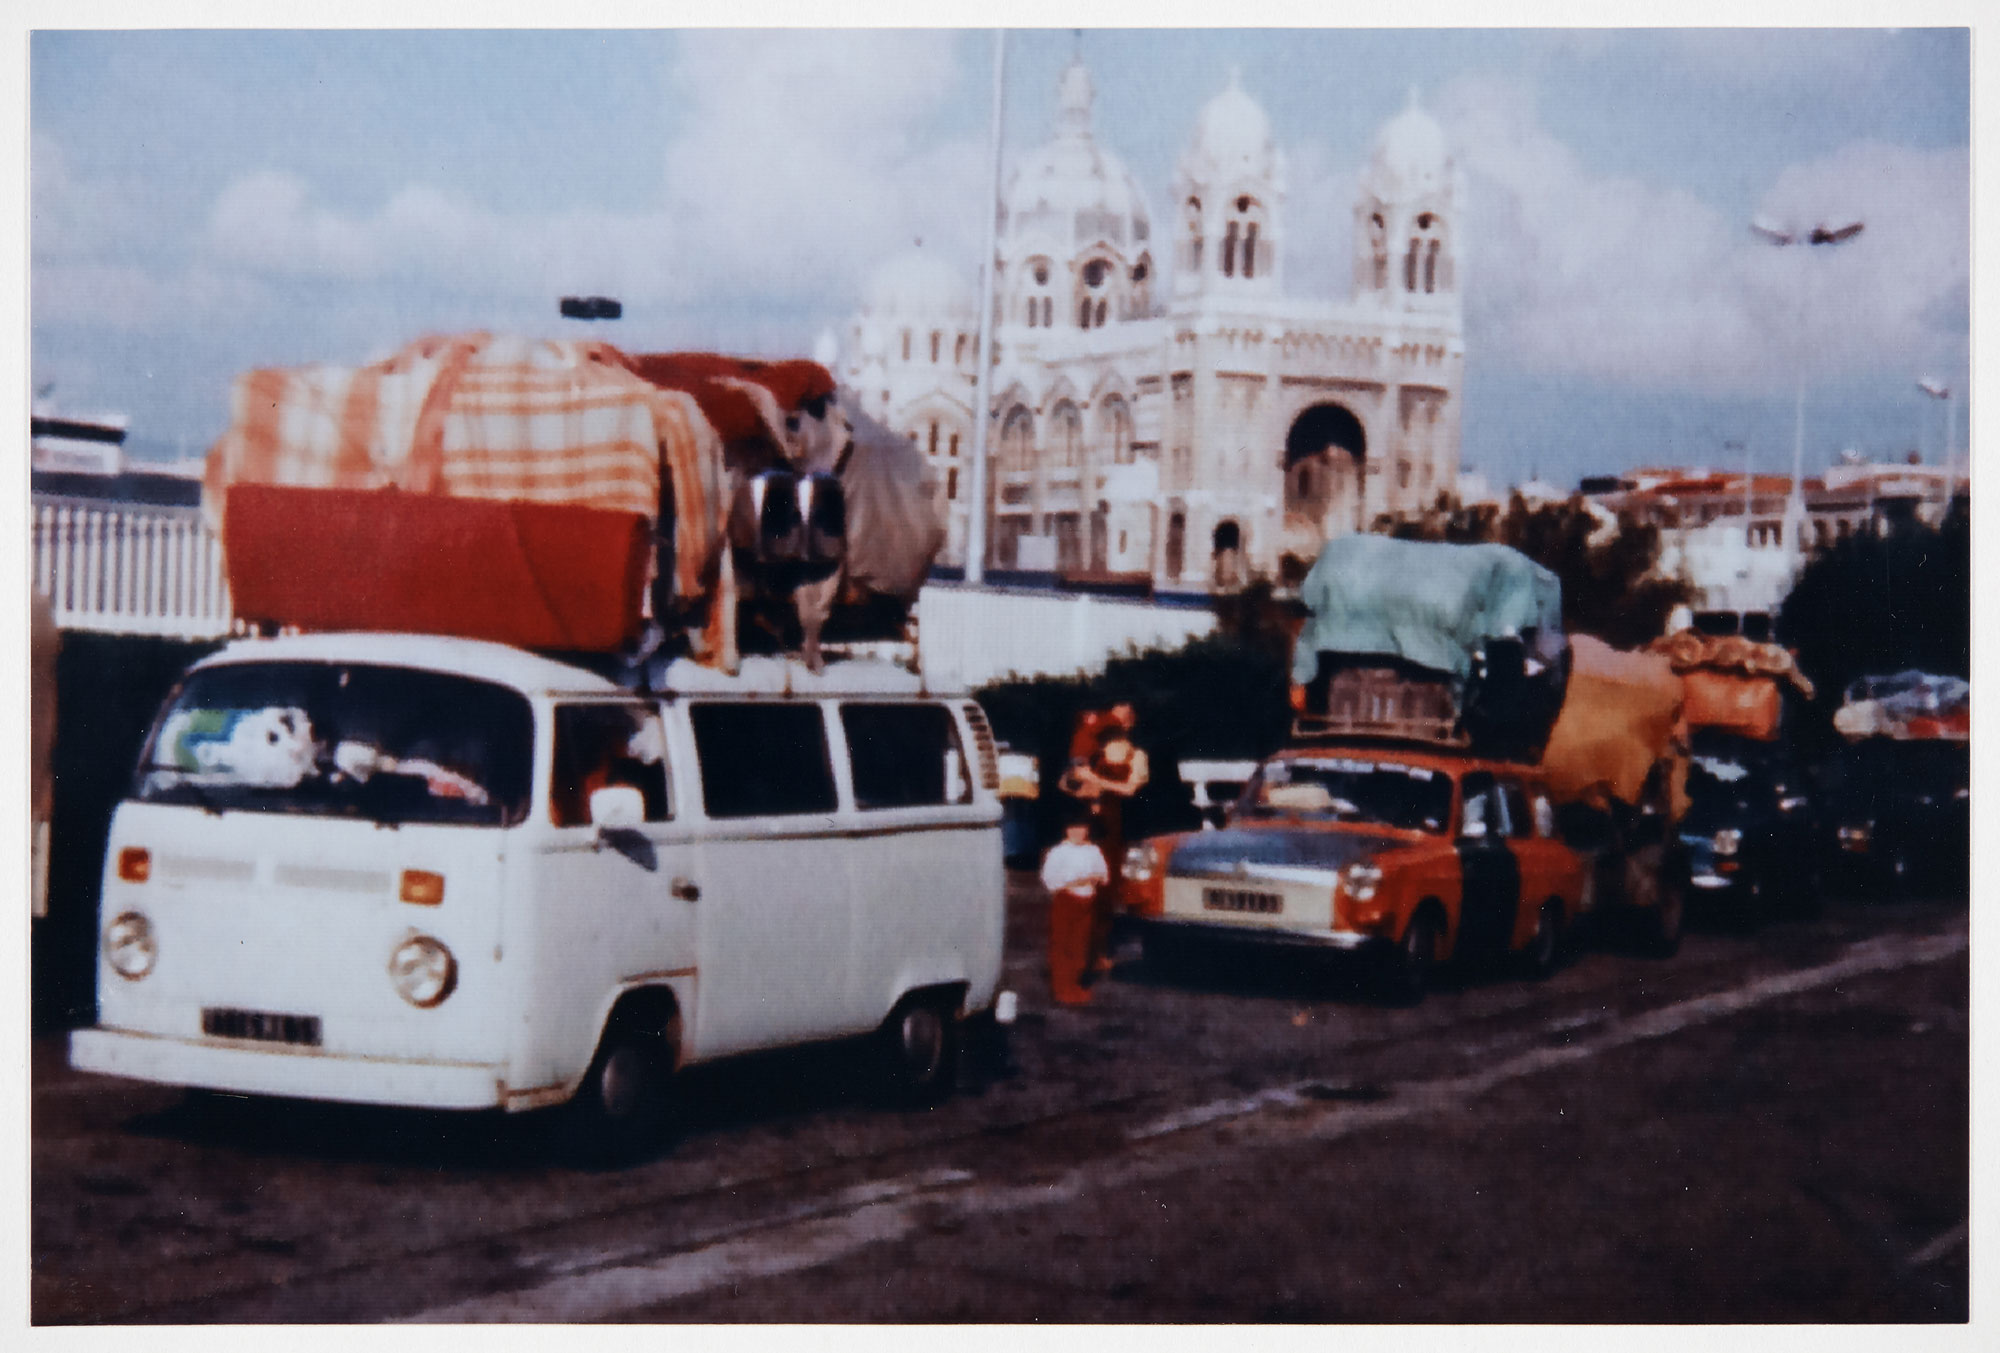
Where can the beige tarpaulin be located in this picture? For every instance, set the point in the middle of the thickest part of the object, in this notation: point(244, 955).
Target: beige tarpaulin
point(1620, 717)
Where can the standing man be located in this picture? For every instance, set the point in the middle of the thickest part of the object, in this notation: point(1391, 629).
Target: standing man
point(1104, 776)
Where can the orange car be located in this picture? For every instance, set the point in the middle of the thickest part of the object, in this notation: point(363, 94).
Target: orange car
point(1417, 857)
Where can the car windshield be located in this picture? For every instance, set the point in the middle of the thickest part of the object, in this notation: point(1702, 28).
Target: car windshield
point(342, 740)
point(1342, 789)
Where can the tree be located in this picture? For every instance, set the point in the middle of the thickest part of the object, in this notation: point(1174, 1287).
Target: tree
point(1873, 605)
point(1609, 588)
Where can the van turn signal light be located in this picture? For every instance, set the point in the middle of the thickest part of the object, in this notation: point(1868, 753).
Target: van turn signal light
point(422, 887)
point(135, 864)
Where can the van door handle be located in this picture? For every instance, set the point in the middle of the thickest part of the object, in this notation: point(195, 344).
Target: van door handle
point(686, 889)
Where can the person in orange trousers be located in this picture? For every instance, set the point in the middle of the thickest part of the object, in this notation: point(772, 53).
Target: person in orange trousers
point(1073, 873)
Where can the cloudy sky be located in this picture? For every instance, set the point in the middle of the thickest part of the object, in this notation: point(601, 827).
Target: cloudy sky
point(203, 202)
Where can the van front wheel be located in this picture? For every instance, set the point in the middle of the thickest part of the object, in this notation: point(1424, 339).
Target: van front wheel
point(624, 1110)
point(920, 1045)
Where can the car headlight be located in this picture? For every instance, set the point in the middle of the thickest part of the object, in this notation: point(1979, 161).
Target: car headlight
point(1727, 841)
point(129, 946)
point(423, 971)
point(1359, 880)
point(1856, 837)
point(1142, 862)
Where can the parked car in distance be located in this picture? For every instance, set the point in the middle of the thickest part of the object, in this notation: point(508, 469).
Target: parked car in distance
point(1403, 858)
point(1750, 829)
point(1899, 814)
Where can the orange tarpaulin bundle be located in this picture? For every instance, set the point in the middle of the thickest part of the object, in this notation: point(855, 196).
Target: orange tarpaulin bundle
point(1733, 683)
point(1621, 716)
point(484, 486)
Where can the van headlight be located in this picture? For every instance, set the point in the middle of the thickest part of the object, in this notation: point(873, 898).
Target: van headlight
point(129, 946)
point(1359, 880)
point(1727, 841)
point(1142, 862)
point(423, 970)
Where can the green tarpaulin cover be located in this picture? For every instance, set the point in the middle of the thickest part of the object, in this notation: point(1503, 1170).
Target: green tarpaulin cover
point(1430, 604)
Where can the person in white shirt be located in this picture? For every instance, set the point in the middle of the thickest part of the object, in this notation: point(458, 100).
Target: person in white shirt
point(1073, 873)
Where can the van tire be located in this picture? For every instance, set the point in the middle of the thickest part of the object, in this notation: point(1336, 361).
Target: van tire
point(919, 1046)
point(624, 1111)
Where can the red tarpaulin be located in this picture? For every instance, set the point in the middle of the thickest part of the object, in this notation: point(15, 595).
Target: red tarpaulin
point(535, 575)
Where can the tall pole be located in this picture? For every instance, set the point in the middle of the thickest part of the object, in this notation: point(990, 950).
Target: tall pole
point(1795, 509)
point(978, 512)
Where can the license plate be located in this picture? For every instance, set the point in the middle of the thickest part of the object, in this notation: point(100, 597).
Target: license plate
point(261, 1026)
point(1242, 899)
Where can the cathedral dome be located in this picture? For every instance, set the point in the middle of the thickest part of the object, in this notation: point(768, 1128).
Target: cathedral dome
point(1233, 134)
point(918, 285)
point(1072, 190)
point(1411, 154)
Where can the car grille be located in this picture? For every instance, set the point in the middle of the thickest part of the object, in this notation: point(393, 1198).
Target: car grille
point(261, 1026)
point(1242, 899)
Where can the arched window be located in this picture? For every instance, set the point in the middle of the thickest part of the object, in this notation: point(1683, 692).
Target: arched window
point(953, 451)
point(958, 351)
point(1017, 437)
point(1101, 312)
point(1410, 265)
point(1083, 314)
point(932, 450)
point(1229, 251)
point(1115, 428)
point(1066, 435)
point(1193, 217)
point(906, 345)
point(1250, 250)
point(1431, 267)
point(1034, 313)
point(937, 343)
point(1048, 312)
point(951, 481)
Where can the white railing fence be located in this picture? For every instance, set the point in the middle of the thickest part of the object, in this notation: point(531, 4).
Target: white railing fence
point(131, 570)
point(971, 635)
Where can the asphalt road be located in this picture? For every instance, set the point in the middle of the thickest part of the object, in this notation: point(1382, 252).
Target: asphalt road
point(1769, 1127)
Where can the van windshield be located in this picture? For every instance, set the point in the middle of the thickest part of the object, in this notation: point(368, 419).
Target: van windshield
point(389, 744)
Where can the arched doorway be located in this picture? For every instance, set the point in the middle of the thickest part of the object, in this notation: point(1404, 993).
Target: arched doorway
point(1176, 545)
point(1226, 555)
point(1324, 454)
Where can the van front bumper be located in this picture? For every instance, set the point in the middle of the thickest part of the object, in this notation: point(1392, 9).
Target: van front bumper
point(290, 1073)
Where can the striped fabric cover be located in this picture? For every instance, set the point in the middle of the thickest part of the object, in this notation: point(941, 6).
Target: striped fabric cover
point(479, 416)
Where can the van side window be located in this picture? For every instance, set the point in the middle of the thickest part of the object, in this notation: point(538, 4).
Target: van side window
point(602, 745)
point(1520, 822)
point(905, 756)
point(763, 760)
point(1481, 818)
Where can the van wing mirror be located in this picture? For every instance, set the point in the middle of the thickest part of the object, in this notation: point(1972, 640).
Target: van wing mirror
point(617, 806)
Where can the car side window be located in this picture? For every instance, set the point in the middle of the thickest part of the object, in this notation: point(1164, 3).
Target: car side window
point(1520, 822)
point(1545, 816)
point(905, 756)
point(598, 746)
point(762, 759)
point(1481, 818)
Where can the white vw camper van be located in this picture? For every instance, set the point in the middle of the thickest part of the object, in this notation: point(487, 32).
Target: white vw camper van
point(436, 872)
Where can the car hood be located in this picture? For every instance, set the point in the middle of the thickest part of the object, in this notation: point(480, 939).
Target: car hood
point(1219, 852)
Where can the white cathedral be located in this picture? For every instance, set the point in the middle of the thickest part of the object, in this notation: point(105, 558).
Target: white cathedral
point(1163, 408)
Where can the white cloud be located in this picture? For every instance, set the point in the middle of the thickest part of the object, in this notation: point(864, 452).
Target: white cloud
point(1604, 276)
point(800, 161)
point(71, 216)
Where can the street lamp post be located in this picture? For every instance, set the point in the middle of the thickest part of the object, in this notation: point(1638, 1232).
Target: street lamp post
point(1940, 391)
point(1795, 510)
point(976, 516)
